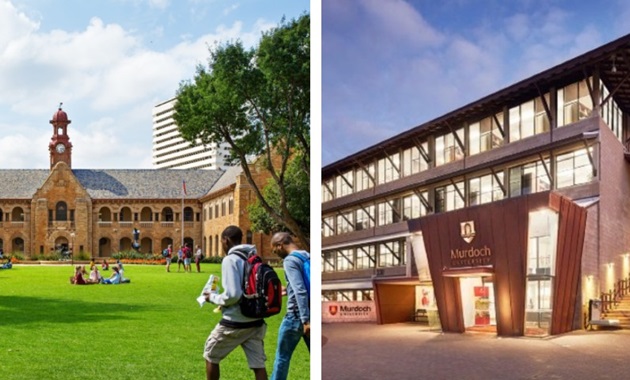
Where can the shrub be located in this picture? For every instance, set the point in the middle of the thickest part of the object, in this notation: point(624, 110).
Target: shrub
point(83, 256)
point(212, 259)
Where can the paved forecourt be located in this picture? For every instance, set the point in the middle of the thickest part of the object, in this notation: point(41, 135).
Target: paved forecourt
point(406, 351)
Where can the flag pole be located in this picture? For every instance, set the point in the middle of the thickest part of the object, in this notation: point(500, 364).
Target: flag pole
point(182, 216)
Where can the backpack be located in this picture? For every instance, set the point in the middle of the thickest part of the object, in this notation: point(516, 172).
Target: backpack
point(165, 252)
point(262, 289)
point(306, 270)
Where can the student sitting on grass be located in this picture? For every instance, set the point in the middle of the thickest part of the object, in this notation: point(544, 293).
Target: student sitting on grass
point(78, 278)
point(105, 265)
point(114, 278)
point(95, 275)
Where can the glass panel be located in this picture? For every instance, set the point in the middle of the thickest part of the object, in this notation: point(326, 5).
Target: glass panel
point(541, 255)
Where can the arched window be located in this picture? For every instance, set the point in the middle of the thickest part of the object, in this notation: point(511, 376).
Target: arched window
point(125, 214)
point(17, 214)
point(146, 215)
point(104, 215)
point(61, 211)
point(167, 214)
point(18, 245)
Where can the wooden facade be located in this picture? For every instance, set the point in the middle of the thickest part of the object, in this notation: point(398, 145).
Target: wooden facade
point(499, 249)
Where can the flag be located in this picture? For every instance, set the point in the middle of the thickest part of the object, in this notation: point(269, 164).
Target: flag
point(184, 187)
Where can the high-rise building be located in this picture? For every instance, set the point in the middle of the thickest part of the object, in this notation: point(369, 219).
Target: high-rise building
point(171, 151)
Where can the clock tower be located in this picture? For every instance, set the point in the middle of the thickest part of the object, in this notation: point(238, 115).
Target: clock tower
point(60, 146)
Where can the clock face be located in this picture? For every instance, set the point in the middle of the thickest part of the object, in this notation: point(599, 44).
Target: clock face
point(60, 148)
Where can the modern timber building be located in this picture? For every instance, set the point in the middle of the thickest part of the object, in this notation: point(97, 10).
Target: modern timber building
point(171, 151)
point(508, 214)
point(96, 211)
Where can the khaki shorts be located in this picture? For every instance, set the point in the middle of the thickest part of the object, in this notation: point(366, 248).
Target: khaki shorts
point(223, 340)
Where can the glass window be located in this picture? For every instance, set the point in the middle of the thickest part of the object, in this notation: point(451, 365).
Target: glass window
point(447, 198)
point(529, 178)
point(574, 103)
point(327, 191)
point(484, 135)
point(528, 119)
point(413, 161)
point(485, 189)
point(328, 262)
point(391, 254)
point(328, 225)
point(413, 207)
point(344, 260)
point(389, 212)
point(344, 223)
point(447, 149)
point(389, 168)
point(573, 168)
point(611, 113)
point(364, 218)
point(365, 177)
point(344, 184)
point(366, 257)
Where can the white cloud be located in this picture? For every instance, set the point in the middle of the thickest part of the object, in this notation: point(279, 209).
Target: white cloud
point(14, 24)
point(108, 77)
point(231, 9)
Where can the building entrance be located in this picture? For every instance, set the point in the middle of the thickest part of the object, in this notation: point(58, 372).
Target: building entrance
point(477, 294)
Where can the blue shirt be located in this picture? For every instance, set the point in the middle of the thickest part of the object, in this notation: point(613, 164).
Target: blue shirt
point(298, 302)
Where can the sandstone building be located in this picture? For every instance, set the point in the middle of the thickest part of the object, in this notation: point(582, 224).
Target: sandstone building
point(96, 211)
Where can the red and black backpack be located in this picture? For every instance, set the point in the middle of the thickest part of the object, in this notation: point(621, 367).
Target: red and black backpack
point(262, 289)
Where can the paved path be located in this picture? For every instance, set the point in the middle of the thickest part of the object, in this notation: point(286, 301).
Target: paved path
point(403, 351)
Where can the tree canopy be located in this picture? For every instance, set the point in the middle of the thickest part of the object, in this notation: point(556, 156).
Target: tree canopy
point(258, 101)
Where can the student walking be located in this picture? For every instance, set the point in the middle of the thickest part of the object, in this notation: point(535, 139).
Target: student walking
point(168, 251)
point(180, 258)
point(234, 329)
point(187, 252)
point(198, 256)
point(296, 323)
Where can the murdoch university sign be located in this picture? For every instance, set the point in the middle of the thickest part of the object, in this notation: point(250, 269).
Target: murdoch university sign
point(472, 256)
point(359, 311)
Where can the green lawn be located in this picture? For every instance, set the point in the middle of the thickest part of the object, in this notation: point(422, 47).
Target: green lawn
point(152, 328)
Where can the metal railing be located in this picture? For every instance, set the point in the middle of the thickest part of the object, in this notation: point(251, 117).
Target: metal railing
point(610, 299)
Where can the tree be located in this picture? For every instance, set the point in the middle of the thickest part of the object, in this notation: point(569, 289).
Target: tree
point(298, 201)
point(258, 101)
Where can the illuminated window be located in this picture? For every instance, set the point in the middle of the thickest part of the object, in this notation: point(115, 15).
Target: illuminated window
point(574, 103)
point(389, 168)
point(413, 161)
point(366, 257)
point(447, 198)
point(413, 207)
point(365, 177)
point(344, 260)
point(447, 149)
point(573, 168)
point(364, 218)
point(389, 212)
point(485, 134)
point(529, 178)
point(485, 189)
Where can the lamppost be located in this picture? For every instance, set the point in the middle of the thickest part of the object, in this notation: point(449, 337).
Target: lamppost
point(72, 248)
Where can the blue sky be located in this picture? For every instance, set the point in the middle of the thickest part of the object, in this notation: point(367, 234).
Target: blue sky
point(109, 62)
point(390, 65)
